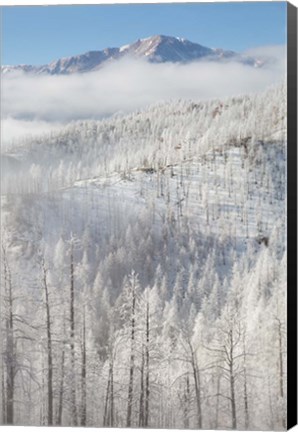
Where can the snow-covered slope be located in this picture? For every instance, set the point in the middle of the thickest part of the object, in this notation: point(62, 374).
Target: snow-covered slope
point(163, 134)
point(213, 164)
point(167, 224)
point(156, 49)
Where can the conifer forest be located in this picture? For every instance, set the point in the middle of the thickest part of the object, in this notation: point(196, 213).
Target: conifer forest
point(143, 260)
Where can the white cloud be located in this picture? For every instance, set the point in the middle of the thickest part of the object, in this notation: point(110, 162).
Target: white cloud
point(275, 56)
point(274, 52)
point(33, 103)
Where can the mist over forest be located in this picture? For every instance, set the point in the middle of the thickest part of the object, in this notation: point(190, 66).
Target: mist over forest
point(143, 259)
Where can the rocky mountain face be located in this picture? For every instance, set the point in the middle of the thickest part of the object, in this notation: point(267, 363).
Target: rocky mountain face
point(155, 49)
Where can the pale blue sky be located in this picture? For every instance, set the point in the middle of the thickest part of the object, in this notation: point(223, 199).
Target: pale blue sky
point(39, 34)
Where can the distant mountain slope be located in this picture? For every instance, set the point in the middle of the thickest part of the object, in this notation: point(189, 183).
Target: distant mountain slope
point(156, 137)
point(155, 49)
point(167, 224)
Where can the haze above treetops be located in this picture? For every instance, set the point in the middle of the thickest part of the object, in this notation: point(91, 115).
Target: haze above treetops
point(36, 103)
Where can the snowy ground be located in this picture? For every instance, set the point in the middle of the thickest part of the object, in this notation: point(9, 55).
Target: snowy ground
point(217, 193)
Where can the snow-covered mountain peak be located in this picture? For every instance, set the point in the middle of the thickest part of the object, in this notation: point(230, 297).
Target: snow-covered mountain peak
point(155, 49)
point(161, 48)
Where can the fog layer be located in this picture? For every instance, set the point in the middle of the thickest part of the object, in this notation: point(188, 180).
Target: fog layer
point(33, 104)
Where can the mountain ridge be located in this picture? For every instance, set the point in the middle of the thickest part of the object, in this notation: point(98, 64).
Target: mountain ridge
point(155, 49)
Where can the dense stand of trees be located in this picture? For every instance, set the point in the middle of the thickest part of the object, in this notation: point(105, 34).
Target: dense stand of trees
point(150, 140)
point(154, 297)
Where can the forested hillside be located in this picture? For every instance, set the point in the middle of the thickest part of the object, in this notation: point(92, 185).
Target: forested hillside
point(143, 276)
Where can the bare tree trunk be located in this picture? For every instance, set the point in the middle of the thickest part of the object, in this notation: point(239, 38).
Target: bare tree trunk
point(3, 394)
point(196, 375)
point(10, 349)
point(232, 382)
point(108, 419)
point(186, 404)
point(233, 402)
point(42, 402)
point(141, 408)
point(246, 410)
point(72, 341)
point(147, 394)
point(49, 349)
point(83, 376)
point(198, 396)
point(105, 415)
point(61, 389)
point(217, 401)
point(112, 393)
point(132, 358)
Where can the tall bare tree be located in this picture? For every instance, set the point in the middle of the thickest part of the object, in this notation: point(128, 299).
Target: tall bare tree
point(49, 346)
point(10, 354)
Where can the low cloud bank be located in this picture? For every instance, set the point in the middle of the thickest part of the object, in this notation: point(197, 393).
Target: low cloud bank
point(34, 104)
point(13, 130)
